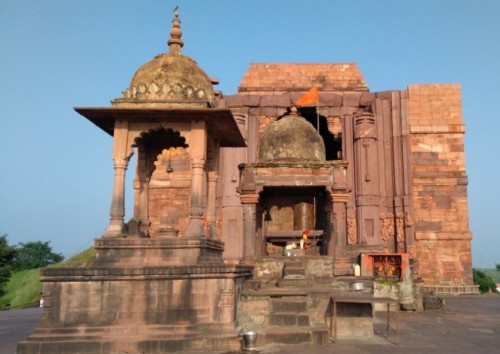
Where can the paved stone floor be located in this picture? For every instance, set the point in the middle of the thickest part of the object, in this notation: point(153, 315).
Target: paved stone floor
point(468, 324)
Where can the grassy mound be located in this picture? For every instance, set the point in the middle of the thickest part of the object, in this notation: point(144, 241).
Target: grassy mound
point(23, 290)
point(24, 287)
point(82, 259)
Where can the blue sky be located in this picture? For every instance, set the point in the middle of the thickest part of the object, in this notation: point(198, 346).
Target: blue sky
point(56, 169)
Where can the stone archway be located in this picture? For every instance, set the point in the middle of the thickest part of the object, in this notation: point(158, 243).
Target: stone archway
point(161, 152)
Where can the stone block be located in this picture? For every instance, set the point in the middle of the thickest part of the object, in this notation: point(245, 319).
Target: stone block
point(235, 101)
point(275, 101)
point(366, 99)
point(330, 99)
point(351, 99)
point(288, 305)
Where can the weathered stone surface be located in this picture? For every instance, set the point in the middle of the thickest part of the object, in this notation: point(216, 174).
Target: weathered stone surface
point(142, 302)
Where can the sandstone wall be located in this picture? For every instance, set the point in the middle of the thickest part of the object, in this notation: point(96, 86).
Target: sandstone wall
point(439, 183)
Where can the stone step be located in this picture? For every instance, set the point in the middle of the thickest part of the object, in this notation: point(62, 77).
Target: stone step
point(134, 345)
point(314, 335)
point(300, 282)
point(293, 263)
point(192, 344)
point(294, 270)
point(289, 305)
point(288, 319)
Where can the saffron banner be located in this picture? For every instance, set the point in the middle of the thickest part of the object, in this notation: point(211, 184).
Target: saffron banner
point(309, 97)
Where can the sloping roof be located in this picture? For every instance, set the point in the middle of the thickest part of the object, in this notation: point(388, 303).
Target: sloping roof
point(300, 77)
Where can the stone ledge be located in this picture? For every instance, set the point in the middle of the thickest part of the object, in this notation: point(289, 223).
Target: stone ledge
point(109, 273)
point(443, 236)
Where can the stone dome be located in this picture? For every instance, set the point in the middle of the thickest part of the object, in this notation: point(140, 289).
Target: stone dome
point(170, 78)
point(291, 139)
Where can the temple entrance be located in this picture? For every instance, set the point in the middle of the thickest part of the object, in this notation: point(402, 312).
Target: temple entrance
point(288, 214)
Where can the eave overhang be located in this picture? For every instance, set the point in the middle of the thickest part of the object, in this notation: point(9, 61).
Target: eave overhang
point(220, 122)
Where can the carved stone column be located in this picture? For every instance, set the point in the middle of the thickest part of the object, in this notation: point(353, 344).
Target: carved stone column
point(143, 174)
point(198, 151)
point(338, 243)
point(116, 225)
point(251, 246)
point(366, 179)
point(195, 226)
point(213, 176)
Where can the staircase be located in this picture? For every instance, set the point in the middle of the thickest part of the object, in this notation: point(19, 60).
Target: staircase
point(294, 274)
point(288, 320)
point(287, 303)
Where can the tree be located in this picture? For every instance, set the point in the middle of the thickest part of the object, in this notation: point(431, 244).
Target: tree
point(7, 256)
point(498, 266)
point(484, 281)
point(35, 255)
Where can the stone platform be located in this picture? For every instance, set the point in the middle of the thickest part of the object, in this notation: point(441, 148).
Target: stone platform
point(153, 310)
point(122, 305)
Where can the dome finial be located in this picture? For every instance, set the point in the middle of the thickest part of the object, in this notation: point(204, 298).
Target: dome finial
point(175, 42)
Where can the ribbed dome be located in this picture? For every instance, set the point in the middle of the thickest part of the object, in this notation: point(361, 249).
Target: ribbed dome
point(170, 78)
point(291, 138)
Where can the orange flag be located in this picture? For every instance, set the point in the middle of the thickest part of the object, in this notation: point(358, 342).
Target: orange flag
point(309, 97)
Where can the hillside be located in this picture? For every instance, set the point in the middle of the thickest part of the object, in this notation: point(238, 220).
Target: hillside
point(24, 287)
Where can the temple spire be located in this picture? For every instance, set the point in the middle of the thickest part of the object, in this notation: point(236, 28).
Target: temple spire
point(175, 42)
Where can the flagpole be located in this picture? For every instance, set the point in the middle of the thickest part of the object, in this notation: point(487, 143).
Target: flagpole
point(317, 114)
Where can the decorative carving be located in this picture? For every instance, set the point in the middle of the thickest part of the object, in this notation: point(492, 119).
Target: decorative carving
point(335, 127)
point(218, 226)
point(170, 91)
point(384, 235)
point(365, 126)
point(411, 251)
point(352, 232)
point(386, 226)
point(408, 219)
point(400, 226)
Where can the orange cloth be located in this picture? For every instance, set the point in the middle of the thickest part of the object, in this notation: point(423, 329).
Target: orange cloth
point(309, 97)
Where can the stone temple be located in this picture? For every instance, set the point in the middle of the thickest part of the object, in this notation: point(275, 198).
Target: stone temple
point(253, 210)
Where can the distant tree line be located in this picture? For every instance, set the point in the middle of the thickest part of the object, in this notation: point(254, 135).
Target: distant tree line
point(24, 256)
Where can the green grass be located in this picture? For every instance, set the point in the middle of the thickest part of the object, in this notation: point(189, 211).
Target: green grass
point(82, 259)
point(23, 288)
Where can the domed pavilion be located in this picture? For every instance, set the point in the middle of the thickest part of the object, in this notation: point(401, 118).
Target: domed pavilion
point(159, 283)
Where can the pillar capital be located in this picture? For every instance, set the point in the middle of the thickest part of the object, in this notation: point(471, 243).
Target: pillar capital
point(249, 198)
point(339, 197)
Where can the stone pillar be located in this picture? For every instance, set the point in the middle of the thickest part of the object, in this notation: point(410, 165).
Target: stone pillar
point(338, 242)
point(116, 225)
point(198, 151)
point(212, 192)
point(252, 247)
point(143, 175)
point(366, 179)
